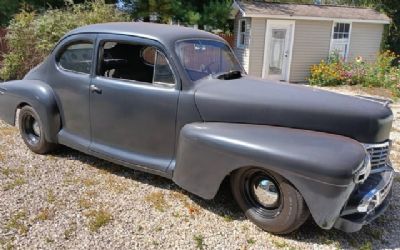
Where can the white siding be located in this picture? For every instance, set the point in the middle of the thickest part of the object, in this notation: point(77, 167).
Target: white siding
point(258, 29)
point(365, 40)
point(242, 53)
point(311, 45)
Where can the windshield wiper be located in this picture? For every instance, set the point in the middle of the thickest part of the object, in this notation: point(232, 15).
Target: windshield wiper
point(234, 74)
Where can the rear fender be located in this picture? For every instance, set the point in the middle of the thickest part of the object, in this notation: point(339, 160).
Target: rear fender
point(321, 166)
point(37, 94)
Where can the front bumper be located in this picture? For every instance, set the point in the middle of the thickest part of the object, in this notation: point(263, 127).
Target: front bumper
point(368, 201)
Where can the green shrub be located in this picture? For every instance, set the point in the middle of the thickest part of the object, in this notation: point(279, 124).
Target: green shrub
point(31, 36)
point(380, 73)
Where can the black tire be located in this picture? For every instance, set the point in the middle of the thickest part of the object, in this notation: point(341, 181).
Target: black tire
point(283, 209)
point(31, 130)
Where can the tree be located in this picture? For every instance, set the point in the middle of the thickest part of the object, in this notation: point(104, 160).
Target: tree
point(211, 13)
point(8, 8)
point(216, 14)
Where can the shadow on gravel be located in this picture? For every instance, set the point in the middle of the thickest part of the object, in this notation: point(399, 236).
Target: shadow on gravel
point(381, 233)
point(223, 203)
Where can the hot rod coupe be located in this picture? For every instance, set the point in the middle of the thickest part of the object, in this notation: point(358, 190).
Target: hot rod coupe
point(175, 102)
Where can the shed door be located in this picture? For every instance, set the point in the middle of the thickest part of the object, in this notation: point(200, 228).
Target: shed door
point(278, 49)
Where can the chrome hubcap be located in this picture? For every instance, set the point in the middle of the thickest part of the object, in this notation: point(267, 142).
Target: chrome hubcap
point(266, 192)
point(36, 128)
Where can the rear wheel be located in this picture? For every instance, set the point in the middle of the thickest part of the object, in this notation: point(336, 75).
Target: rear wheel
point(31, 130)
point(269, 200)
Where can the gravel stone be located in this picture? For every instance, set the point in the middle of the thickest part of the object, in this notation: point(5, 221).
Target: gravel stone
point(52, 201)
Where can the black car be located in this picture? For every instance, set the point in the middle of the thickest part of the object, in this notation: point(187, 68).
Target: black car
point(175, 102)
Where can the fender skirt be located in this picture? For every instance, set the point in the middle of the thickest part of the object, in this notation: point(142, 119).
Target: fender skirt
point(36, 94)
point(321, 166)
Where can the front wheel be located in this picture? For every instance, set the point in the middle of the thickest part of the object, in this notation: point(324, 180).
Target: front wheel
point(31, 130)
point(268, 200)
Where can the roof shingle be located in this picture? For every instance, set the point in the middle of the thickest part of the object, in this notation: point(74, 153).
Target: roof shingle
point(260, 9)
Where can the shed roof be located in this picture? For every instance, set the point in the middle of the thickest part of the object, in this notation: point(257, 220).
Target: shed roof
point(309, 11)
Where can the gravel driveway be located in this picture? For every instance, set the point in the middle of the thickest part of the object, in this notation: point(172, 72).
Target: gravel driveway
point(71, 200)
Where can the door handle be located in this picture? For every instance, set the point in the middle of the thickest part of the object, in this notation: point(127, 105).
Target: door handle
point(94, 89)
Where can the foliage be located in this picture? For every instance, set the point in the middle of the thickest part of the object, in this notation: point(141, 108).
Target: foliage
point(380, 73)
point(31, 36)
point(210, 13)
point(216, 13)
point(8, 8)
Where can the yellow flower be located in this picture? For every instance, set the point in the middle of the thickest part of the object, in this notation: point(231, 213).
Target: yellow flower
point(359, 59)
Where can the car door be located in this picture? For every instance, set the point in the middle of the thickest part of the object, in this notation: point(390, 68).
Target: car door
point(70, 75)
point(133, 102)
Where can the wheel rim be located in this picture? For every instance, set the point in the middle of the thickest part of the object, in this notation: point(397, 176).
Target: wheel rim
point(262, 192)
point(266, 192)
point(31, 128)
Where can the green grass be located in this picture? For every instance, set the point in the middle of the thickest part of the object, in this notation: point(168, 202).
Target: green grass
point(51, 198)
point(366, 246)
point(98, 219)
point(88, 182)
point(84, 203)
point(251, 241)
point(199, 240)
point(8, 172)
point(228, 218)
point(280, 243)
point(17, 223)
point(157, 200)
point(15, 183)
point(69, 232)
point(375, 233)
point(45, 214)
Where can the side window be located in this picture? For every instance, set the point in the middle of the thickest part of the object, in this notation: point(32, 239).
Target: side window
point(77, 57)
point(134, 62)
point(162, 70)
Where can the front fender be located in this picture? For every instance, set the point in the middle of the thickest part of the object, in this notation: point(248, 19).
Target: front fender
point(321, 166)
point(36, 94)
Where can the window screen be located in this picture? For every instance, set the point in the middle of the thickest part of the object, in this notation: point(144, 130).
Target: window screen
point(77, 57)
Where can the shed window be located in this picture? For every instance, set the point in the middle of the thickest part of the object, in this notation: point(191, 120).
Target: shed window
point(341, 39)
point(242, 33)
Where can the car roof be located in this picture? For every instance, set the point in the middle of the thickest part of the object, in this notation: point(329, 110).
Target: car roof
point(166, 34)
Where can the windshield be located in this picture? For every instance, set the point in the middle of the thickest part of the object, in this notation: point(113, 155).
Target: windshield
point(201, 58)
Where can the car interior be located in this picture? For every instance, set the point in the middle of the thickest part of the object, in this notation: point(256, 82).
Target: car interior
point(127, 61)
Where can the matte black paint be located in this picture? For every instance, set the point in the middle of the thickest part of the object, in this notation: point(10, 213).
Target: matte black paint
point(196, 133)
point(307, 159)
point(287, 105)
point(36, 94)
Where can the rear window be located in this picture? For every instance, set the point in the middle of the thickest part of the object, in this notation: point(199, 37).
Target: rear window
point(77, 57)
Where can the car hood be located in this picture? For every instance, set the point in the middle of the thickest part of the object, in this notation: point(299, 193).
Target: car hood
point(255, 101)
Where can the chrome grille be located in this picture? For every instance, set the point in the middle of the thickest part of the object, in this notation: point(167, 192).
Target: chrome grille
point(379, 154)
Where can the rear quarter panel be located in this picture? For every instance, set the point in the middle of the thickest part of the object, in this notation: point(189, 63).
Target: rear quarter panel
point(36, 94)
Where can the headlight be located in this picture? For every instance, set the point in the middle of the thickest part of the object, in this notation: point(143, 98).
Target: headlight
point(364, 170)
